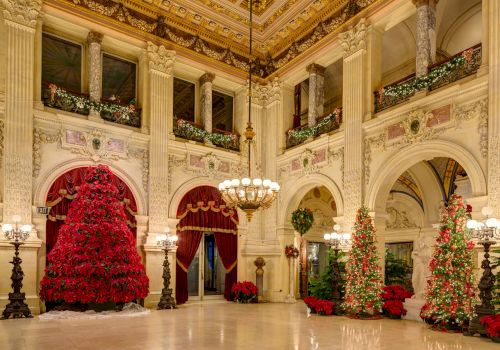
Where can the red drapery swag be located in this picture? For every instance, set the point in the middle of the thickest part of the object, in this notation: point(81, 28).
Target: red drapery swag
point(64, 190)
point(203, 210)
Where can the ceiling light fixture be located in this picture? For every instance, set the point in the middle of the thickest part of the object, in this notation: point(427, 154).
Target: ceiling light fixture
point(249, 194)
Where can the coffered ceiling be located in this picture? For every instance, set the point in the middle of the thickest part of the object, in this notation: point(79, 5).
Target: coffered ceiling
point(219, 29)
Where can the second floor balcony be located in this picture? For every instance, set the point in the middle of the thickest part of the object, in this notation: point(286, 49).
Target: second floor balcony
point(463, 64)
point(324, 125)
point(189, 130)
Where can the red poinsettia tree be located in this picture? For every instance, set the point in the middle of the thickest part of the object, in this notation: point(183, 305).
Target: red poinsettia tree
point(450, 288)
point(364, 277)
point(95, 259)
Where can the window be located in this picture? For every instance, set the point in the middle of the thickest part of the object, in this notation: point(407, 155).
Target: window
point(184, 100)
point(118, 79)
point(61, 64)
point(222, 111)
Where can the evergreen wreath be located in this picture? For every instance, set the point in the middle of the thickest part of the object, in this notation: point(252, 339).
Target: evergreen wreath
point(302, 220)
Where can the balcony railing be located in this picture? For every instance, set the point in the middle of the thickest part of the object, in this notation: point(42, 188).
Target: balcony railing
point(56, 97)
point(461, 65)
point(324, 124)
point(193, 131)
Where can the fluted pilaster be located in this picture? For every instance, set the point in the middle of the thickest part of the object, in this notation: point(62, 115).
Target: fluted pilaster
point(160, 94)
point(354, 44)
point(20, 18)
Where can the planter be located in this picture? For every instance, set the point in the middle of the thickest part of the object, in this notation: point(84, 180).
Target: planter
point(394, 317)
point(495, 339)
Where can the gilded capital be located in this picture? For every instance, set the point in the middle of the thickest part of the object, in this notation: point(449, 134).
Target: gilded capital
point(314, 68)
point(159, 58)
point(354, 39)
point(25, 12)
point(94, 37)
point(207, 78)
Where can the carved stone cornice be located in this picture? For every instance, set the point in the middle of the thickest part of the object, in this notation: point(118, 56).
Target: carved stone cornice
point(94, 37)
point(25, 12)
point(354, 39)
point(207, 78)
point(160, 59)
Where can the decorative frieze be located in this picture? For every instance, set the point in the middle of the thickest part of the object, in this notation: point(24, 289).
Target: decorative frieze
point(24, 12)
point(398, 219)
point(469, 111)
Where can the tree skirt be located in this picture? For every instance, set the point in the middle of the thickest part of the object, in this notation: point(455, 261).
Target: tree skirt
point(129, 310)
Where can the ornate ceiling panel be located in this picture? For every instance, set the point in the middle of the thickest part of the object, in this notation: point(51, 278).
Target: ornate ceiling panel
point(219, 29)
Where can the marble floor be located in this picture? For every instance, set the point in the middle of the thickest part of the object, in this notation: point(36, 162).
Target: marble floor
point(217, 325)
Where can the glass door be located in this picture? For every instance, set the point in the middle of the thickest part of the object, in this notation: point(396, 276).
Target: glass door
point(206, 274)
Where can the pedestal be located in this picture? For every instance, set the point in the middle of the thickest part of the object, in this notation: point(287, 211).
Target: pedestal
point(413, 307)
point(290, 298)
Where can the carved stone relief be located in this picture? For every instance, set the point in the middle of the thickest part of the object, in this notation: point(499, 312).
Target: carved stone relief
point(398, 219)
point(160, 59)
point(469, 111)
point(40, 138)
point(353, 40)
point(25, 12)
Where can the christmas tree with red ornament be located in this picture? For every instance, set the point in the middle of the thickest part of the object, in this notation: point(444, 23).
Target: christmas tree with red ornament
point(450, 287)
point(364, 276)
point(95, 259)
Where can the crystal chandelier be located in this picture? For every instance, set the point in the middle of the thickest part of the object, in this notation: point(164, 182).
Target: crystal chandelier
point(249, 194)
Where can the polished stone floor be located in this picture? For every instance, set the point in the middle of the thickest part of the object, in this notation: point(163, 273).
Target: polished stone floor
point(217, 325)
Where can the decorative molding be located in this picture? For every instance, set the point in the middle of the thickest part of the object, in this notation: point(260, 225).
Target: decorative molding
point(493, 174)
point(142, 154)
point(18, 186)
point(175, 162)
point(2, 128)
point(40, 138)
point(307, 164)
point(266, 94)
point(398, 219)
point(354, 39)
point(335, 156)
point(160, 59)
point(24, 12)
point(378, 141)
point(469, 111)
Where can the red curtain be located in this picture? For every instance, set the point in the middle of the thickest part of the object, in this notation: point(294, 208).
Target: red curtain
point(187, 245)
point(63, 191)
point(227, 245)
point(203, 210)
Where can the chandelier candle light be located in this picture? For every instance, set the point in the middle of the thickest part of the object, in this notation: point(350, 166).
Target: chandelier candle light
point(249, 194)
point(167, 242)
point(336, 241)
point(485, 233)
point(17, 234)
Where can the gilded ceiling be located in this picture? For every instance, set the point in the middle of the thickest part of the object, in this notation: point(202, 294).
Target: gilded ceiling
point(283, 29)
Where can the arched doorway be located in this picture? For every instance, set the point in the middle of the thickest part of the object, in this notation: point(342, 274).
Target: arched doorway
point(207, 247)
point(63, 190)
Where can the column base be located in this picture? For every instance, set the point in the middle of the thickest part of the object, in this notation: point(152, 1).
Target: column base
point(16, 308)
point(290, 299)
point(413, 307)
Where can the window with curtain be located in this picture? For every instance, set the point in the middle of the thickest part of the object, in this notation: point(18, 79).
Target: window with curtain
point(184, 99)
point(61, 64)
point(118, 79)
point(222, 111)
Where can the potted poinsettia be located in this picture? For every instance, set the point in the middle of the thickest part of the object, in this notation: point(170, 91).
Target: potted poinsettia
point(492, 325)
point(394, 296)
point(244, 292)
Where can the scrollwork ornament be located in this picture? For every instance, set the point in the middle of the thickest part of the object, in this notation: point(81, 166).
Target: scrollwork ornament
point(25, 12)
point(160, 59)
point(40, 138)
point(354, 39)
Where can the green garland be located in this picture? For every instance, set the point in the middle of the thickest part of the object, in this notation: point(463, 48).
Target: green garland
point(302, 220)
point(205, 135)
point(423, 82)
point(83, 103)
point(305, 133)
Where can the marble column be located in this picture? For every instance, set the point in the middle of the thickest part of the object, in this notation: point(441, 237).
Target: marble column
point(206, 100)
point(159, 96)
point(354, 45)
point(20, 23)
point(94, 40)
point(316, 92)
point(494, 106)
point(426, 35)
